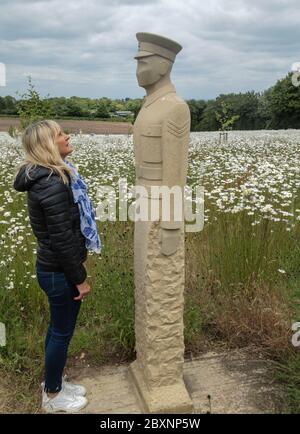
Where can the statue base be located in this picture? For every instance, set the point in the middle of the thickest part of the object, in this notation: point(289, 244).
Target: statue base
point(172, 399)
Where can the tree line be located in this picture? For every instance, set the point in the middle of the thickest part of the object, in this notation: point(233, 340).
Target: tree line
point(275, 108)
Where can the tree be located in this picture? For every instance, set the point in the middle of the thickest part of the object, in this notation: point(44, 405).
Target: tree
point(246, 106)
point(102, 108)
point(134, 105)
point(59, 106)
point(10, 105)
point(197, 108)
point(283, 104)
point(32, 107)
point(225, 117)
point(2, 105)
point(263, 111)
point(276, 107)
point(208, 120)
point(73, 108)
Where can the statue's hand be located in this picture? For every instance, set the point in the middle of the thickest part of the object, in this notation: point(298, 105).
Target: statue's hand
point(169, 241)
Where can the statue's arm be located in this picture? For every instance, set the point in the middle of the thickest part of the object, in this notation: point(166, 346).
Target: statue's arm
point(175, 142)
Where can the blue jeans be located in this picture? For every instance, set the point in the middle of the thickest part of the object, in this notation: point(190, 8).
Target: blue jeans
point(63, 316)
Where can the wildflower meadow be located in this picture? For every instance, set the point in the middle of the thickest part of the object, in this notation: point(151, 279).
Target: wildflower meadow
point(242, 284)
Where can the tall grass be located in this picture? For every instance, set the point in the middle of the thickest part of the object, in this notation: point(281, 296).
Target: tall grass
point(233, 293)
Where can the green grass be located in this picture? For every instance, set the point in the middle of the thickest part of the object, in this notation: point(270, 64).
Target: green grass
point(288, 374)
point(226, 269)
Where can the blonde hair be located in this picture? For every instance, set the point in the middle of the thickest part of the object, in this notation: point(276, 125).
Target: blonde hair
point(38, 142)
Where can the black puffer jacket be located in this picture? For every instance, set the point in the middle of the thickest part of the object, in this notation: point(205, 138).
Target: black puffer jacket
point(55, 221)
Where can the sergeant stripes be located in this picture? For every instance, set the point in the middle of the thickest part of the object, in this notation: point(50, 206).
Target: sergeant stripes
point(177, 130)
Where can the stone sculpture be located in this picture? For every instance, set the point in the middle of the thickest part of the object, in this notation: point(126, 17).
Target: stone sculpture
point(161, 139)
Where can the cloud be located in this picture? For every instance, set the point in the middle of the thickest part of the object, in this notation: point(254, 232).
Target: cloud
point(86, 48)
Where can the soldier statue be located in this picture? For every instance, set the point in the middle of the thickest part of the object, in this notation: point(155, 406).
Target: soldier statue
point(161, 139)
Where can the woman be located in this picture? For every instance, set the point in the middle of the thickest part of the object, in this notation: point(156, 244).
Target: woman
point(63, 221)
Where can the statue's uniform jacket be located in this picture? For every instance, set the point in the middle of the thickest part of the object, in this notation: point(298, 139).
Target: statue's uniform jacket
point(161, 139)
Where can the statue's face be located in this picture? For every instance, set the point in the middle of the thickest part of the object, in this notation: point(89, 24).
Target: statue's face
point(148, 70)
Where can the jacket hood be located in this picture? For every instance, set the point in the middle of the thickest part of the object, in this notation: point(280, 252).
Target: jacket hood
point(23, 183)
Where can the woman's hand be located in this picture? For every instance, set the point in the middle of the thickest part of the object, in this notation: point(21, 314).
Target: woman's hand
point(83, 288)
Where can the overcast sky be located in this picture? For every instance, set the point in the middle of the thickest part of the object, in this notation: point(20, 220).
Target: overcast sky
point(86, 47)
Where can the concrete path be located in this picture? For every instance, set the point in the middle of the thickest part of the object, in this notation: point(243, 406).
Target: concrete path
point(227, 382)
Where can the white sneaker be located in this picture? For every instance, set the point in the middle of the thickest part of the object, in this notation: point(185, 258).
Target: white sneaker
point(75, 389)
point(63, 401)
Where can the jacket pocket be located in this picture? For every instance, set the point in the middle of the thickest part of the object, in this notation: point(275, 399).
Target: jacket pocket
point(151, 144)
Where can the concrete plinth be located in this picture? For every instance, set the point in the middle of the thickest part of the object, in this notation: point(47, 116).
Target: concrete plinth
point(163, 399)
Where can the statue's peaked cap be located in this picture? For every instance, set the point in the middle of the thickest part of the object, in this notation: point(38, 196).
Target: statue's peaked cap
point(150, 43)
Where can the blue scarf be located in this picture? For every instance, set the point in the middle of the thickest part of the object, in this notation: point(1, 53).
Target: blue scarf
point(87, 216)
